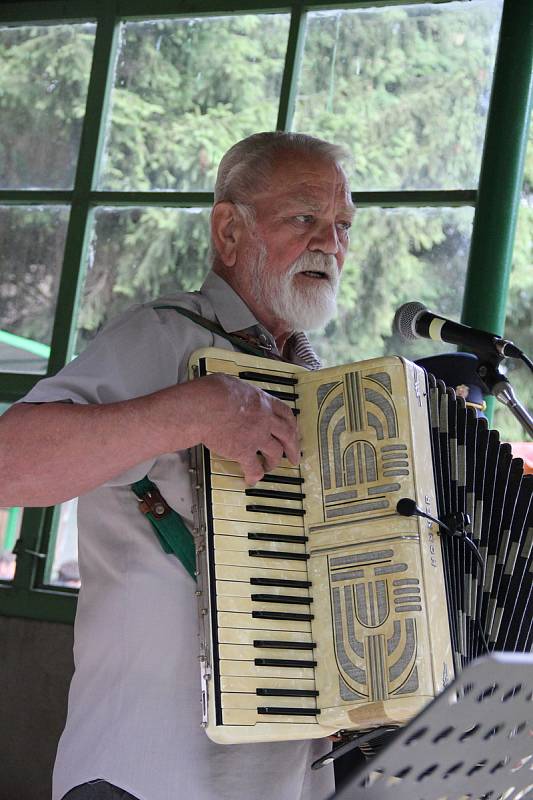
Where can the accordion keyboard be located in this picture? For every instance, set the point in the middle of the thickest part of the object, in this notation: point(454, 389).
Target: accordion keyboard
point(263, 655)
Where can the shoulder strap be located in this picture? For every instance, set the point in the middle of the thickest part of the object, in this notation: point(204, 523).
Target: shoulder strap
point(174, 536)
point(214, 327)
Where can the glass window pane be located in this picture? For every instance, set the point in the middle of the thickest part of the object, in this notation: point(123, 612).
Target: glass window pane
point(10, 521)
point(185, 91)
point(406, 89)
point(137, 255)
point(32, 241)
point(397, 255)
point(519, 319)
point(63, 570)
point(44, 75)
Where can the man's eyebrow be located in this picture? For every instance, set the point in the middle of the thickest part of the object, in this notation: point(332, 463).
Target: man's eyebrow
point(307, 203)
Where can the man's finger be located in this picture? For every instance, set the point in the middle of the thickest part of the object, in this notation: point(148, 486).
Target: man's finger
point(272, 452)
point(253, 469)
point(287, 435)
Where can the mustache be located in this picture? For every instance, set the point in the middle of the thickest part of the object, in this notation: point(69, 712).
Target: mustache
point(316, 262)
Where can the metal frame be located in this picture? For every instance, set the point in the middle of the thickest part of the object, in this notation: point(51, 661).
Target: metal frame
point(23, 597)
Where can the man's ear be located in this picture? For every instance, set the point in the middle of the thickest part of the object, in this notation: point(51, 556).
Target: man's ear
point(226, 230)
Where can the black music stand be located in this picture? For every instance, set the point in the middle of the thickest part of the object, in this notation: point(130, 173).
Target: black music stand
point(475, 741)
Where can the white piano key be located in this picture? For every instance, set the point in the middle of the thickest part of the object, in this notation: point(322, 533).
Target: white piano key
point(247, 636)
point(234, 716)
point(250, 670)
point(232, 619)
point(240, 543)
point(226, 527)
point(243, 652)
point(247, 605)
point(244, 683)
point(252, 563)
point(242, 574)
point(253, 701)
point(221, 466)
point(236, 589)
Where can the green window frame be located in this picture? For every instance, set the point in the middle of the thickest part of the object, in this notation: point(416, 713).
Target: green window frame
point(495, 202)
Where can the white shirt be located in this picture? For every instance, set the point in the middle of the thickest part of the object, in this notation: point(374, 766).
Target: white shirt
point(134, 703)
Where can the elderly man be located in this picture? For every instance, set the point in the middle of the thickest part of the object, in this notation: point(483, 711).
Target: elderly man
point(125, 409)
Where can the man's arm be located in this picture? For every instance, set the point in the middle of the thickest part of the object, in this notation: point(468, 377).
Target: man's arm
point(51, 452)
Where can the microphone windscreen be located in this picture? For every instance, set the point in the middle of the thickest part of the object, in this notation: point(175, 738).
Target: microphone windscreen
point(405, 316)
point(407, 507)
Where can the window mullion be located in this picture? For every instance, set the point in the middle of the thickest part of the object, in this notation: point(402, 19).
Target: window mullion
point(91, 147)
point(291, 71)
point(502, 166)
point(27, 548)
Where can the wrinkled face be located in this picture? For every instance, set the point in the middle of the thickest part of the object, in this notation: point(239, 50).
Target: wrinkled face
point(296, 249)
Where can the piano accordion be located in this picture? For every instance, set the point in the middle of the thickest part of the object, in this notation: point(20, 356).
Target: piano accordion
point(321, 608)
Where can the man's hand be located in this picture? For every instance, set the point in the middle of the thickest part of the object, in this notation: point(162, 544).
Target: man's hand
point(243, 423)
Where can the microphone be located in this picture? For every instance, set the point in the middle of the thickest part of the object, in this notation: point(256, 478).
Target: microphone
point(414, 320)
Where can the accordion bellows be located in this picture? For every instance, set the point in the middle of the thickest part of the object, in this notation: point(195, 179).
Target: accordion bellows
point(321, 608)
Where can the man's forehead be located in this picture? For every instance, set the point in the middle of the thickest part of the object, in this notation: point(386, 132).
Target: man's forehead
point(312, 197)
point(310, 184)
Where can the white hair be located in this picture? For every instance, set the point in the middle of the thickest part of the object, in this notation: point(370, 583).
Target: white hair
point(246, 167)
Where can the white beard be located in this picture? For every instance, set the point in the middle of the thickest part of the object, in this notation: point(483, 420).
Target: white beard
point(303, 308)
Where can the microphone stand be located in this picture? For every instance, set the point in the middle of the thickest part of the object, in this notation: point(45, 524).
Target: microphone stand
point(499, 386)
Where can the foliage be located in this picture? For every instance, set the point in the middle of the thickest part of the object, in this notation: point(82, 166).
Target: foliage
point(406, 89)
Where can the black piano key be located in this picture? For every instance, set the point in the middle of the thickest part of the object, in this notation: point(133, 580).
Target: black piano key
point(281, 395)
point(287, 692)
point(284, 662)
point(283, 644)
point(264, 377)
point(291, 512)
point(278, 537)
point(275, 493)
point(281, 582)
point(279, 554)
point(289, 479)
point(300, 712)
point(282, 615)
point(287, 599)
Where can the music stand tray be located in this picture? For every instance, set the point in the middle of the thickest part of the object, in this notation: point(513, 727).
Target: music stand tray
point(472, 742)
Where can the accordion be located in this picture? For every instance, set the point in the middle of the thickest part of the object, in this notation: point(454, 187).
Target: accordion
point(322, 609)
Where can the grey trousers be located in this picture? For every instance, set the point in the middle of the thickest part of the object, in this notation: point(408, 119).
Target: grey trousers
point(98, 790)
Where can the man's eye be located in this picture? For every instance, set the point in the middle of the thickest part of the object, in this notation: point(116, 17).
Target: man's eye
point(307, 218)
point(345, 226)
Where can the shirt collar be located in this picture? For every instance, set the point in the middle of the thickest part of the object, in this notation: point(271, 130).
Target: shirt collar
point(234, 315)
point(230, 309)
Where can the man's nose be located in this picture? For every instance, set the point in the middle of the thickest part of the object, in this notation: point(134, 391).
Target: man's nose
point(325, 240)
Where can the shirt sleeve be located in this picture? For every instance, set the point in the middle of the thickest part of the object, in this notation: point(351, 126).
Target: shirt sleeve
point(142, 351)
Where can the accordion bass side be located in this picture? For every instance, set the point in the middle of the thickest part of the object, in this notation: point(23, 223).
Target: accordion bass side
point(321, 608)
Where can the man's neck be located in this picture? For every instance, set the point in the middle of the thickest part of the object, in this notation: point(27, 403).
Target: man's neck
point(277, 328)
